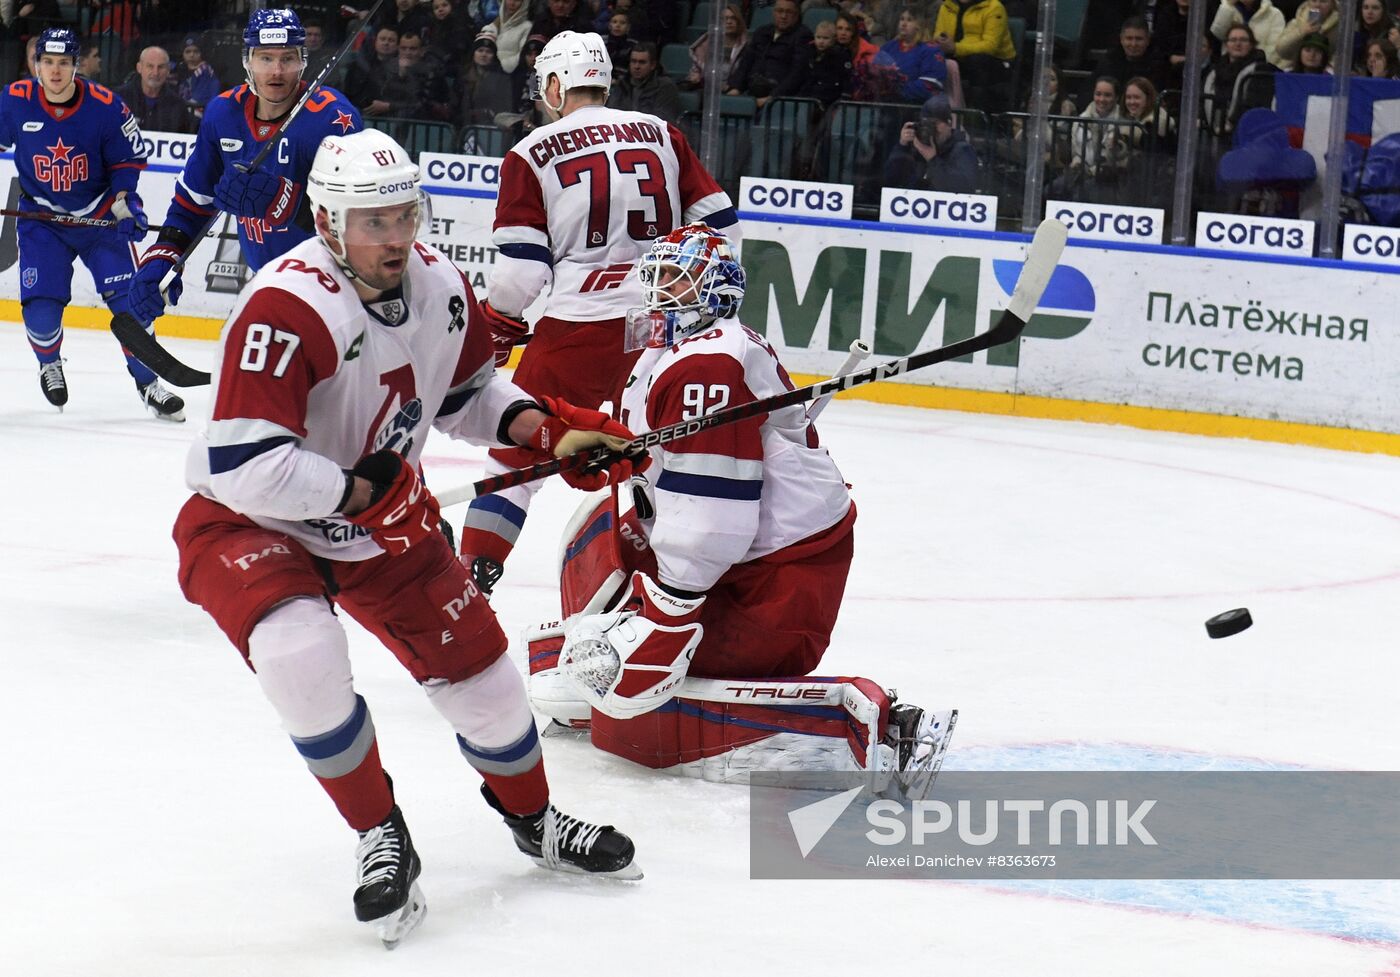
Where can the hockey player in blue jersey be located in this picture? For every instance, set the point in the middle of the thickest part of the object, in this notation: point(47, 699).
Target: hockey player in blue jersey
point(267, 201)
point(79, 152)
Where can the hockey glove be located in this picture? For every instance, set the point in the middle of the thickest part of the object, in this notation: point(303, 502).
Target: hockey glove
point(131, 217)
point(258, 194)
point(571, 429)
point(144, 295)
point(507, 332)
point(632, 660)
point(401, 511)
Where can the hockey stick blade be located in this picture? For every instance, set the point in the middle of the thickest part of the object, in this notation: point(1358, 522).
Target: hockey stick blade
point(142, 345)
point(1041, 259)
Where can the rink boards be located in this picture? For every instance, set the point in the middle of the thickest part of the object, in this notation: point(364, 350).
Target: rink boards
point(1289, 349)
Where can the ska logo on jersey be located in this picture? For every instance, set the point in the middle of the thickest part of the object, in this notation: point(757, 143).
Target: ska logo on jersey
point(455, 305)
point(61, 168)
point(344, 120)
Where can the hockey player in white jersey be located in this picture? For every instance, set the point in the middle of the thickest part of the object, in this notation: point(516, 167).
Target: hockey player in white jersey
point(337, 358)
point(581, 199)
point(684, 618)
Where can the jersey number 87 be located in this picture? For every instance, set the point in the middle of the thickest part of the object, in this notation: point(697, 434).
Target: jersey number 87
point(259, 339)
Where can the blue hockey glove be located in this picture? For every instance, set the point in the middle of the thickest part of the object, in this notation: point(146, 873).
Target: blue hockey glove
point(144, 296)
point(131, 217)
point(258, 194)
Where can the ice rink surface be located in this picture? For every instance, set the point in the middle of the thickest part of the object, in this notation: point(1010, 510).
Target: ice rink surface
point(1048, 579)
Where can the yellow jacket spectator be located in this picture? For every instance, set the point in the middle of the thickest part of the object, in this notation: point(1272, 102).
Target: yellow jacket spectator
point(975, 33)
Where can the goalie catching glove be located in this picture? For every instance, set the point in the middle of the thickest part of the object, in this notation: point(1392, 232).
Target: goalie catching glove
point(632, 660)
point(507, 332)
point(569, 430)
point(401, 511)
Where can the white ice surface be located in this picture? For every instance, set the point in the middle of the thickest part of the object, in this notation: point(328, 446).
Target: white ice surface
point(1048, 579)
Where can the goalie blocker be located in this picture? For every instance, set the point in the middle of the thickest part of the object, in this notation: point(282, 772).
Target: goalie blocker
point(714, 704)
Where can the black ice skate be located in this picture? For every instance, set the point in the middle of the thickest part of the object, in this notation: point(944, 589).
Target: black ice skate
point(563, 843)
point(388, 895)
point(161, 402)
point(52, 382)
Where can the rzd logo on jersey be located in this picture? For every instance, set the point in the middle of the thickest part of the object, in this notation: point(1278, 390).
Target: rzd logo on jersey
point(61, 168)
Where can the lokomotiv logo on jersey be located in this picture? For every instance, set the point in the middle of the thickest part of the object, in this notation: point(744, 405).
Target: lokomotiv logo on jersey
point(61, 168)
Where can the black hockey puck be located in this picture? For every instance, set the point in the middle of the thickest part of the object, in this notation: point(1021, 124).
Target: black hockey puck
point(1231, 622)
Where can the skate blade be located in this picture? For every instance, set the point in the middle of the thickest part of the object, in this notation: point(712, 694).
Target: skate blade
point(631, 872)
point(395, 926)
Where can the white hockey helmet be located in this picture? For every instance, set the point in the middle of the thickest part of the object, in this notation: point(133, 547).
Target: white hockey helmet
point(579, 60)
point(367, 170)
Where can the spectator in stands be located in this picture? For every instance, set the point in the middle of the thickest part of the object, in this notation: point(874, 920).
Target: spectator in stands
point(29, 47)
point(152, 98)
point(406, 17)
point(825, 74)
point(848, 36)
point(195, 77)
point(30, 17)
point(772, 54)
point(511, 27)
point(485, 89)
point(1142, 105)
point(976, 34)
point(736, 37)
point(1134, 56)
point(563, 15)
point(317, 54)
point(1374, 23)
point(449, 33)
point(932, 155)
point(1235, 84)
point(908, 68)
point(618, 40)
point(651, 21)
point(365, 78)
point(1313, 17)
point(1381, 60)
point(1264, 20)
point(414, 87)
point(1314, 56)
point(1098, 151)
point(1056, 141)
point(90, 61)
point(646, 89)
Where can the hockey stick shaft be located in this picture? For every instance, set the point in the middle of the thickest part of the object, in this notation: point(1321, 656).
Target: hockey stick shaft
point(71, 220)
point(860, 351)
point(1040, 263)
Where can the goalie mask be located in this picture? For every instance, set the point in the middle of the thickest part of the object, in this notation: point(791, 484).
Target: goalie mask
point(689, 279)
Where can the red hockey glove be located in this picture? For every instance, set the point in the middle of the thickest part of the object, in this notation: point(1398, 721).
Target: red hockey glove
point(572, 429)
point(507, 332)
point(401, 511)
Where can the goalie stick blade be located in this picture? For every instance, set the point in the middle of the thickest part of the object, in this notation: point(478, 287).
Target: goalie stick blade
point(142, 345)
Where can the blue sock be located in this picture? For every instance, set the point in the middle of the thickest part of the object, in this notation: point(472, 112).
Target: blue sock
point(43, 324)
point(118, 304)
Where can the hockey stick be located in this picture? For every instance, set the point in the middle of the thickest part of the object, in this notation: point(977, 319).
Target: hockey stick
point(131, 333)
point(71, 220)
point(1041, 259)
point(860, 349)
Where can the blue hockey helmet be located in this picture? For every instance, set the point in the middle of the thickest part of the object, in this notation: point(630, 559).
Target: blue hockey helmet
point(273, 28)
point(57, 40)
point(689, 279)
